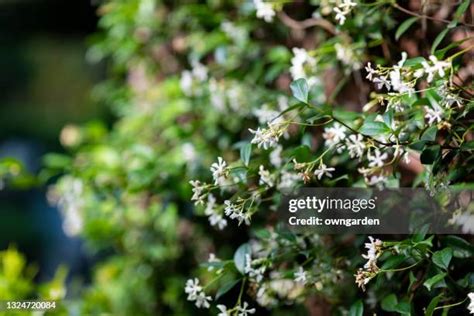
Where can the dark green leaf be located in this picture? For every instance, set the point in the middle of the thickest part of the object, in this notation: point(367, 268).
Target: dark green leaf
point(245, 152)
point(439, 39)
point(226, 287)
point(461, 248)
point(389, 303)
point(430, 134)
point(468, 146)
point(374, 128)
point(430, 154)
point(357, 309)
point(405, 26)
point(443, 257)
point(434, 302)
point(300, 90)
point(433, 280)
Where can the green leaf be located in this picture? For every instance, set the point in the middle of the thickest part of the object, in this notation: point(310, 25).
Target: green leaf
point(434, 302)
point(404, 27)
point(461, 9)
point(226, 287)
point(374, 128)
point(300, 90)
point(468, 146)
point(389, 303)
point(418, 145)
point(443, 257)
point(357, 309)
point(393, 262)
point(461, 248)
point(301, 154)
point(434, 280)
point(58, 161)
point(239, 257)
point(438, 40)
point(430, 154)
point(388, 117)
point(430, 134)
point(245, 152)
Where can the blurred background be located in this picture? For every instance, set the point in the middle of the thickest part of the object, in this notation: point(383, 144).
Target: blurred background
point(45, 84)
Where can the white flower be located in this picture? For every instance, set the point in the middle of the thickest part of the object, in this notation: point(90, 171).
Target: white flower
point(223, 310)
point(340, 15)
point(275, 156)
point(433, 115)
point(264, 10)
point(198, 190)
point(244, 310)
point(301, 63)
point(199, 71)
point(267, 137)
point(186, 82)
point(347, 4)
point(376, 160)
point(334, 135)
point(465, 221)
point(470, 307)
point(355, 145)
point(266, 177)
point(370, 71)
point(398, 84)
point(219, 171)
point(379, 180)
point(256, 274)
point(192, 288)
point(381, 82)
point(236, 212)
point(266, 115)
point(301, 276)
point(202, 300)
point(212, 259)
point(373, 252)
point(437, 67)
point(346, 55)
point(68, 196)
point(323, 170)
point(288, 180)
point(218, 220)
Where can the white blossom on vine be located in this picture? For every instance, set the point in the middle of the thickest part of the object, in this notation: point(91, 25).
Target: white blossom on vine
point(244, 310)
point(355, 145)
point(334, 135)
point(343, 9)
point(219, 171)
point(301, 276)
point(198, 192)
point(265, 10)
point(303, 66)
point(323, 170)
point(222, 310)
point(470, 307)
point(377, 159)
point(436, 67)
point(266, 177)
point(433, 115)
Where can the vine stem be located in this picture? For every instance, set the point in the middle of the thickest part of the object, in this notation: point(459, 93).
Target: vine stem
point(450, 305)
point(422, 16)
point(401, 269)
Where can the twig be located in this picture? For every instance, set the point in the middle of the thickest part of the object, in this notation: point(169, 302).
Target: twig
point(301, 25)
point(422, 16)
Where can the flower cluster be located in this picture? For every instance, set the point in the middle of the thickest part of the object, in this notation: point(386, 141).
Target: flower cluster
point(370, 270)
point(343, 9)
point(196, 294)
